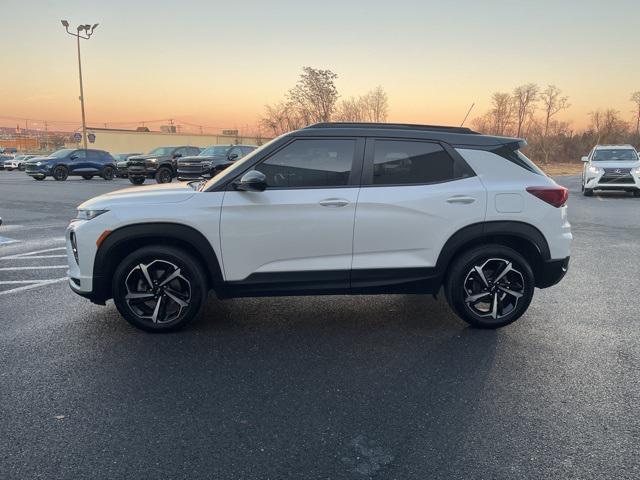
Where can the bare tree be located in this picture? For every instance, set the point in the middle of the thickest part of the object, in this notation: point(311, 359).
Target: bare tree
point(635, 98)
point(376, 105)
point(281, 118)
point(370, 107)
point(501, 113)
point(553, 103)
point(315, 95)
point(524, 99)
point(608, 126)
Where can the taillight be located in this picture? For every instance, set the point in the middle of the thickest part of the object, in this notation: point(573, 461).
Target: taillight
point(556, 196)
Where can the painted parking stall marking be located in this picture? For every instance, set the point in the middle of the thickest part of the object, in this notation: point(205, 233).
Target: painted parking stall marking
point(31, 270)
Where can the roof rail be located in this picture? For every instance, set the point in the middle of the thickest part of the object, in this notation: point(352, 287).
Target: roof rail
point(400, 126)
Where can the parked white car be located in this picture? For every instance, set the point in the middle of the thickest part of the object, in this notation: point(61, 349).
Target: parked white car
point(17, 162)
point(611, 167)
point(333, 209)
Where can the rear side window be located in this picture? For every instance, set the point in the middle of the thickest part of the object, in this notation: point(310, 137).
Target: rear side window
point(310, 163)
point(517, 157)
point(402, 162)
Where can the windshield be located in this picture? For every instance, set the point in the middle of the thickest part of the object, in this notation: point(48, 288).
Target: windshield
point(615, 155)
point(161, 151)
point(61, 153)
point(215, 151)
point(236, 167)
point(19, 157)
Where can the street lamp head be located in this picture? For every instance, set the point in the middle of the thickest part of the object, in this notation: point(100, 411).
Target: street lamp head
point(65, 24)
point(87, 27)
point(95, 25)
point(80, 28)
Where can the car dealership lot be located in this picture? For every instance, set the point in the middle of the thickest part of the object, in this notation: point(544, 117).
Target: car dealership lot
point(320, 387)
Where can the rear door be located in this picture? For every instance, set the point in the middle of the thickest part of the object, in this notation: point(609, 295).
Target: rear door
point(415, 194)
point(300, 229)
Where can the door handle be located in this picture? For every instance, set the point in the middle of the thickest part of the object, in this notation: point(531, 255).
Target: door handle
point(462, 199)
point(334, 202)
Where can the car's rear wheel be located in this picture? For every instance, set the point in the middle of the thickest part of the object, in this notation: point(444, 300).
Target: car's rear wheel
point(87, 177)
point(60, 173)
point(108, 173)
point(137, 180)
point(159, 288)
point(39, 178)
point(490, 286)
point(588, 192)
point(163, 175)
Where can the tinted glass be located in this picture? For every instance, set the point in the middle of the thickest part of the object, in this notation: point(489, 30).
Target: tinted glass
point(194, 151)
point(61, 153)
point(217, 150)
point(404, 162)
point(310, 163)
point(80, 154)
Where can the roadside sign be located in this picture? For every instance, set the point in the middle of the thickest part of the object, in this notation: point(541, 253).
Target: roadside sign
point(77, 137)
point(91, 137)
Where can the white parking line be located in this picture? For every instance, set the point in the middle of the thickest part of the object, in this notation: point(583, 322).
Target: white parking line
point(7, 240)
point(36, 252)
point(48, 267)
point(35, 285)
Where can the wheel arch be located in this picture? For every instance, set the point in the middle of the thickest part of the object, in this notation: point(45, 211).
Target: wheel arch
point(119, 243)
point(520, 236)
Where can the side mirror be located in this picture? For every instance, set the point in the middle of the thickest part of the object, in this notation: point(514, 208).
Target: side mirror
point(252, 181)
point(73, 157)
point(585, 159)
point(232, 157)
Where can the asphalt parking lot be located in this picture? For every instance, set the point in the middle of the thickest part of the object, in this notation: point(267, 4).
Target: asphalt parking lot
point(390, 387)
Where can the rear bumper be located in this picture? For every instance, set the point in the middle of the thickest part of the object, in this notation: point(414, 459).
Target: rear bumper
point(551, 272)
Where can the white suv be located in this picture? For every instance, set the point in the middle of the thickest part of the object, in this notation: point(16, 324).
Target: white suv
point(611, 167)
point(333, 208)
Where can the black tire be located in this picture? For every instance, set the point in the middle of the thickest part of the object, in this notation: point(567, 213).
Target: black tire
point(161, 261)
point(164, 175)
point(10, 169)
point(108, 173)
point(137, 180)
point(38, 178)
point(87, 177)
point(588, 192)
point(60, 173)
point(464, 282)
point(636, 193)
point(21, 168)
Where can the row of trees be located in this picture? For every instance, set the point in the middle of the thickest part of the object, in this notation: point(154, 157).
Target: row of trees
point(531, 112)
point(315, 99)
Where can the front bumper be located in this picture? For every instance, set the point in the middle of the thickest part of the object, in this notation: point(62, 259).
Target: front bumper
point(551, 272)
point(608, 181)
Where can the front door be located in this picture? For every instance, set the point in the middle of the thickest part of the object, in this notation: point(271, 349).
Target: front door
point(298, 233)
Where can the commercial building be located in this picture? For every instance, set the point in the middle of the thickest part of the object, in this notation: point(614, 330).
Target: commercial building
point(128, 141)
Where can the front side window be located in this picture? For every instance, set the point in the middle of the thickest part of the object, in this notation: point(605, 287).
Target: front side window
point(402, 162)
point(310, 163)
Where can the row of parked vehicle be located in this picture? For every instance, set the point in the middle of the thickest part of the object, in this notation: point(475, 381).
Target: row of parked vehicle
point(162, 164)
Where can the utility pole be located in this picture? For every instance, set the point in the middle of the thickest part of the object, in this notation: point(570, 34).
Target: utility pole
point(88, 29)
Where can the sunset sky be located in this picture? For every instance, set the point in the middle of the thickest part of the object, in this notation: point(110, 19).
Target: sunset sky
point(218, 63)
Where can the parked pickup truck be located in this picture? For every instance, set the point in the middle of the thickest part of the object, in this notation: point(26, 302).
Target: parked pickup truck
point(159, 163)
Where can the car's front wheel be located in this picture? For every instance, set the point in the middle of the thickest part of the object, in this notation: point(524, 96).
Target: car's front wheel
point(159, 288)
point(60, 173)
point(490, 286)
point(87, 177)
point(108, 173)
point(163, 175)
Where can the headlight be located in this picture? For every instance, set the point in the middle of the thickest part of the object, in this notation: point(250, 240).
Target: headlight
point(89, 214)
point(38, 164)
point(636, 171)
point(206, 164)
point(153, 160)
point(593, 169)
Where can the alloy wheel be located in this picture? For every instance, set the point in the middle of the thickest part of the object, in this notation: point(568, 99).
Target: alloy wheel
point(493, 288)
point(157, 291)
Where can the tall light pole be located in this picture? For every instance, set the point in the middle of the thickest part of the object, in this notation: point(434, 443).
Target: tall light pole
point(88, 30)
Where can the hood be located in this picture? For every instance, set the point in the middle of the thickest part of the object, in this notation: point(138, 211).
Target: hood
point(151, 194)
point(202, 158)
point(147, 157)
point(37, 159)
point(617, 164)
